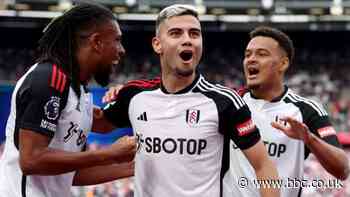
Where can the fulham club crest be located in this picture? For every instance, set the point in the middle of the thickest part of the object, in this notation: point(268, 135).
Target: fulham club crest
point(192, 116)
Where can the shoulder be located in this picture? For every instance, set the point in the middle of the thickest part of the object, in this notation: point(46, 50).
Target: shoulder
point(48, 76)
point(143, 83)
point(219, 92)
point(134, 87)
point(117, 111)
point(306, 105)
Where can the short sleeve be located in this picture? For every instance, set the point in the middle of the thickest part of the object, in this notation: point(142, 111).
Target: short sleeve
point(41, 98)
point(320, 125)
point(242, 129)
point(317, 120)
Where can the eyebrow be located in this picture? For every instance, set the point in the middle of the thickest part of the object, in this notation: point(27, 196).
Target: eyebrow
point(257, 49)
point(195, 29)
point(179, 28)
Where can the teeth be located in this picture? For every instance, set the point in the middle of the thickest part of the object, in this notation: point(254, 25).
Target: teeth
point(253, 71)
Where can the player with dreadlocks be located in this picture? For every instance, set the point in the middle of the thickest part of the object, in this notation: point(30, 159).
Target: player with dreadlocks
point(52, 110)
point(65, 33)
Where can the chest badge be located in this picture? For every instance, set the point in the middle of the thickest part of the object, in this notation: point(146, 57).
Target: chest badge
point(192, 116)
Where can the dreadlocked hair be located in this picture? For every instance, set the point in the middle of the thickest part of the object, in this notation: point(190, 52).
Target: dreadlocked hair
point(59, 42)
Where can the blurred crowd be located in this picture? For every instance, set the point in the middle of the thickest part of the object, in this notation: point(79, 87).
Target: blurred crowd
point(319, 80)
point(14, 62)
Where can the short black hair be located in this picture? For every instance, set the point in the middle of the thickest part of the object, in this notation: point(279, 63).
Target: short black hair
point(59, 42)
point(282, 39)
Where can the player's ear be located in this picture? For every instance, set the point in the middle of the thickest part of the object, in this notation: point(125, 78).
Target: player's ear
point(157, 47)
point(95, 41)
point(284, 64)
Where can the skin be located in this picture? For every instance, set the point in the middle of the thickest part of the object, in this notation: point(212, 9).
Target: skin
point(96, 54)
point(100, 52)
point(265, 55)
point(176, 35)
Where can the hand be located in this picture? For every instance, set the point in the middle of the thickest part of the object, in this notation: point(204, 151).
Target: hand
point(124, 149)
point(294, 129)
point(111, 94)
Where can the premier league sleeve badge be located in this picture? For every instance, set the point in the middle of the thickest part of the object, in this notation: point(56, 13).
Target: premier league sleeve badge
point(52, 107)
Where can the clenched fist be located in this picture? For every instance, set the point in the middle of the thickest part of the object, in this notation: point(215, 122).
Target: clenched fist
point(124, 149)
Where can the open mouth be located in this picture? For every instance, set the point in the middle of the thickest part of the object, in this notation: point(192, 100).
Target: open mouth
point(117, 61)
point(186, 55)
point(253, 71)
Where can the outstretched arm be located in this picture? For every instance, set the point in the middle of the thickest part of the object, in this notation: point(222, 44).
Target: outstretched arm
point(332, 158)
point(264, 168)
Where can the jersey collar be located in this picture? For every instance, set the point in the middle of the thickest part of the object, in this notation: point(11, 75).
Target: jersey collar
point(276, 99)
point(185, 90)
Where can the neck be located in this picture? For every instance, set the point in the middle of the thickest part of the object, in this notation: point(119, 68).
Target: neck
point(85, 73)
point(268, 93)
point(84, 76)
point(174, 83)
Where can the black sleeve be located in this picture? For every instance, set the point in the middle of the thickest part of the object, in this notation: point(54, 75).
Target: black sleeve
point(40, 99)
point(322, 127)
point(241, 128)
point(117, 112)
point(316, 118)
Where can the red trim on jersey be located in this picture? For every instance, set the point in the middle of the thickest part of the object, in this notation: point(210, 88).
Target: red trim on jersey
point(144, 83)
point(63, 83)
point(245, 127)
point(57, 87)
point(242, 90)
point(58, 79)
point(53, 76)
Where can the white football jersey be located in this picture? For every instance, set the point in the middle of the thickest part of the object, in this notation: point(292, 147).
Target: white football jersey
point(183, 138)
point(288, 154)
point(44, 102)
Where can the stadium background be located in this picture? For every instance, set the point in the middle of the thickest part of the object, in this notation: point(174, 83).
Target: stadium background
point(319, 29)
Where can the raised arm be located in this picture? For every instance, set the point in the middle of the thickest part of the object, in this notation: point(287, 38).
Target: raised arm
point(330, 155)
